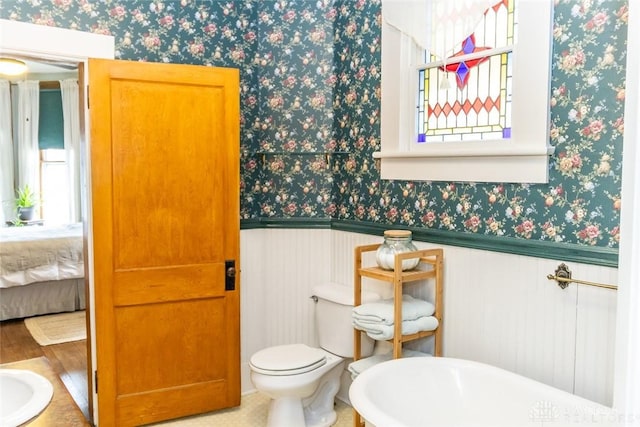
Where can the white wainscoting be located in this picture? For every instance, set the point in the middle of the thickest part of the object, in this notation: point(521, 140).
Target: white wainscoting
point(499, 308)
point(279, 268)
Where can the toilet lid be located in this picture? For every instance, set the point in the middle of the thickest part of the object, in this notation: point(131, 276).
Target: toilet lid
point(288, 359)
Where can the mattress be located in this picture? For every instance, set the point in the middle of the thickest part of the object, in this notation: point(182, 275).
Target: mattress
point(38, 254)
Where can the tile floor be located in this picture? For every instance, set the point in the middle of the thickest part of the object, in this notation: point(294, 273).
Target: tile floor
point(251, 413)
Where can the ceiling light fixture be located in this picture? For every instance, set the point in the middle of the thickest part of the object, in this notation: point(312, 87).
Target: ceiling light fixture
point(12, 67)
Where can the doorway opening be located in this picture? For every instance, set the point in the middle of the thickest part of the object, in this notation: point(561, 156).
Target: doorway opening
point(68, 360)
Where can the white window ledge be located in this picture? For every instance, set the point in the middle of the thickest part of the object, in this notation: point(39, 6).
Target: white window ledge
point(508, 165)
point(484, 151)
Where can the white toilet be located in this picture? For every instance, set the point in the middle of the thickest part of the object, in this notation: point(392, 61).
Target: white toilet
point(302, 381)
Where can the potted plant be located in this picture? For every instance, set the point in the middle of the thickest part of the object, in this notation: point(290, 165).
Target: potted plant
point(26, 201)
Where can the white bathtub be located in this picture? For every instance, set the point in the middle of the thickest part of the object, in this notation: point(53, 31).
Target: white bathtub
point(440, 391)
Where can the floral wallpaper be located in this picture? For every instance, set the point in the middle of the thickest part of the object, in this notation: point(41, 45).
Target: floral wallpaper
point(310, 101)
point(296, 78)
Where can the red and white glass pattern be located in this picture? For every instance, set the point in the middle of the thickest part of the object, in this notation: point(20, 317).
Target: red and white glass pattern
point(479, 107)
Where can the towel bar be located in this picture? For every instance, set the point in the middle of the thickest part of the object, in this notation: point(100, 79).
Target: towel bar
point(563, 278)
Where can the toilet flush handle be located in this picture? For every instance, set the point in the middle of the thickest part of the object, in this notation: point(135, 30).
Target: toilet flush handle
point(314, 298)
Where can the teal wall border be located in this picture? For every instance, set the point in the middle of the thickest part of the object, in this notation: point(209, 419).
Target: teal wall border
point(606, 257)
point(247, 224)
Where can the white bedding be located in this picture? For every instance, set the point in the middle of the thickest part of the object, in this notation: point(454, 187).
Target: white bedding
point(37, 254)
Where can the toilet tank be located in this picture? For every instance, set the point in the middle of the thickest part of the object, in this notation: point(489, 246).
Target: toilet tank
point(333, 319)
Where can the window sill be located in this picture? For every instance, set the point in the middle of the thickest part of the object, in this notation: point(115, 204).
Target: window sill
point(476, 151)
point(469, 164)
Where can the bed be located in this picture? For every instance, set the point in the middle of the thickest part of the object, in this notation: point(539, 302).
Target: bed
point(41, 270)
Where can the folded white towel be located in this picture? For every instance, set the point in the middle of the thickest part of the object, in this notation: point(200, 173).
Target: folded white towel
point(381, 331)
point(359, 366)
point(382, 311)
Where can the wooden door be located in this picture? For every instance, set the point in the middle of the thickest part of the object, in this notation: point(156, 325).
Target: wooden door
point(164, 155)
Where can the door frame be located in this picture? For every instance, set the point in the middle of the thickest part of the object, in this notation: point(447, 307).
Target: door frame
point(64, 45)
point(626, 395)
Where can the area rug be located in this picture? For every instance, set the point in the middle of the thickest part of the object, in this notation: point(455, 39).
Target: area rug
point(57, 328)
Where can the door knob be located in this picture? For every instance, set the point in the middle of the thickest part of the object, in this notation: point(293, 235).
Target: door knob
point(230, 275)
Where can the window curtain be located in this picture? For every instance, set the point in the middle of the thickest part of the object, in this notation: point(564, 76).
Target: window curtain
point(27, 144)
point(439, 26)
point(71, 116)
point(7, 193)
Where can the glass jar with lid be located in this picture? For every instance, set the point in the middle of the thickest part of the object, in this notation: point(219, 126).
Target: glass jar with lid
point(395, 242)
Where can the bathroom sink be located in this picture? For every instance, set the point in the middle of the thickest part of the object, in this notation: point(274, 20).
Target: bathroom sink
point(23, 395)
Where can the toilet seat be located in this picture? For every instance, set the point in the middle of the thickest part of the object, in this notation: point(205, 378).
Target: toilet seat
point(290, 359)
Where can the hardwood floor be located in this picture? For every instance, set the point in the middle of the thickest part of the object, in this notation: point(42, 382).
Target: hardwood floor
point(68, 360)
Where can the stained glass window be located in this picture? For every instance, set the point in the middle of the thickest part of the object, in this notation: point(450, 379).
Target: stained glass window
point(467, 97)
